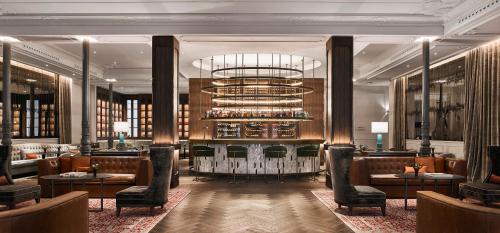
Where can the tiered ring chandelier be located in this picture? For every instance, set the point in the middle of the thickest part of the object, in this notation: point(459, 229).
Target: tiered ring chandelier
point(257, 87)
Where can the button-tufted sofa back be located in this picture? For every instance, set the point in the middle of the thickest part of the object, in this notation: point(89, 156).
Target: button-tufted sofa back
point(19, 151)
point(387, 165)
point(117, 164)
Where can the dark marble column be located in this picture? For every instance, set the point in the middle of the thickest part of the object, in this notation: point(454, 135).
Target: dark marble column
point(110, 117)
point(6, 150)
point(165, 97)
point(85, 142)
point(425, 148)
point(339, 95)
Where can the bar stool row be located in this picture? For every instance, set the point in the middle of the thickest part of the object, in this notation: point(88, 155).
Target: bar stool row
point(272, 152)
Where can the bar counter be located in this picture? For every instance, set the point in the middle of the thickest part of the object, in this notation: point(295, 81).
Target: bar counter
point(255, 163)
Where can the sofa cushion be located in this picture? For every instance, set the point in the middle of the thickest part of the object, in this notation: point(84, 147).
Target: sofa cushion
point(65, 164)
point(31, 156)
point(426, 161)
point(83, 169)
point(392, 179)
point(79, 161)
point(117, 164)
point(423, 169)
point(3, 180)
point(494, 179)
point(439, 164)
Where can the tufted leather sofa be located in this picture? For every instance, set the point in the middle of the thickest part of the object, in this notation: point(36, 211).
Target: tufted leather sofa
point(380, 173)
point(19, 151)
point(126, 170)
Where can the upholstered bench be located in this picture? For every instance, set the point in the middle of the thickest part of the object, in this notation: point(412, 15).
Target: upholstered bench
point(12, 194)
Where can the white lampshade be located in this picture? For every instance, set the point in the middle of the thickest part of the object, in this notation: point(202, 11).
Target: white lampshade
point(120, 126)
point(380, 127)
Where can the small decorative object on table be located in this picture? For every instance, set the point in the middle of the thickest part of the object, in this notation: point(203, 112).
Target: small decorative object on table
point(45, 148)
point(416, 167)
point(95, 167)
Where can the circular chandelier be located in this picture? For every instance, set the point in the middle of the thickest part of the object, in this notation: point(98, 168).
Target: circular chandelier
point(256, 88)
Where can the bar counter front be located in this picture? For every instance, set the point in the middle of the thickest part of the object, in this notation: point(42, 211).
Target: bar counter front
point(256, 161)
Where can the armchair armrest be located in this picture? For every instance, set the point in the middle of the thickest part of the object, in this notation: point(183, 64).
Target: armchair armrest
point(456, 166)
point(144, 174)
point(47, 167)
point(359, 172)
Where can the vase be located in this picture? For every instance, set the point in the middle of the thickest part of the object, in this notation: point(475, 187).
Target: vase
point(416, 171)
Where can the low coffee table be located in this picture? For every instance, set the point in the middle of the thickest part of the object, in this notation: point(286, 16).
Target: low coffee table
point(82, 179)
point(428, 176)
point(12, 194)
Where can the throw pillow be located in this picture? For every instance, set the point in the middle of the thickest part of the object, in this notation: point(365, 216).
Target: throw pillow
point(83, 169)
point(423, 169)
point(3, 180)
point(439, 164)
point(426, 161)
point(31, 156)
point(494, 179)
point(65, 164)
point(79, 161)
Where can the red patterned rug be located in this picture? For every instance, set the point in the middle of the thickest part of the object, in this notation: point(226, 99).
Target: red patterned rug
point(397, 219)
point(131, 220)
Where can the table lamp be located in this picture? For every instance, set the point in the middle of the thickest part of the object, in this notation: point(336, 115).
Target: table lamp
point(379, 128)
point(121, 127)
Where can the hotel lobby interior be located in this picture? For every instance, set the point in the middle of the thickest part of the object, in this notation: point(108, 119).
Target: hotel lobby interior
point(250, 116)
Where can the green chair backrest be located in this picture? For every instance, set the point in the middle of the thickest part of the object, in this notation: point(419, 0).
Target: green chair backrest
point(275, 152)
point(237, 151)
point(308, 151)
point(202, 151)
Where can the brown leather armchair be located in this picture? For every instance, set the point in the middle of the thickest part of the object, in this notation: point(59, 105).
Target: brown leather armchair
point(127, 171)
point(64, 214)
point(438, 213)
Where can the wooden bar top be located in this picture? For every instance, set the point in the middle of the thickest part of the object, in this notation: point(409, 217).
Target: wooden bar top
point(257, 141)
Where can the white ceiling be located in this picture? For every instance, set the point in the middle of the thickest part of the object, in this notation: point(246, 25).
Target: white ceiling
point(384, 32)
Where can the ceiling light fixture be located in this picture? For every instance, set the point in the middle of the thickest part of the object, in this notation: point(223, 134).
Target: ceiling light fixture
point(87, 38)
point(429, 38)
point(110, 80)
point(9, 39)
point(30, 80)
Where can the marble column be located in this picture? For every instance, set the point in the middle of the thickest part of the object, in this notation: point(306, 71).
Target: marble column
point(85, 142)
point(425, 148)
point(6, 151)
point(110, 117)
point(165, 98)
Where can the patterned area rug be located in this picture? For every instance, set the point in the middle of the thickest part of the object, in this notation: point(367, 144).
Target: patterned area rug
point(397, 219)
point(131, 220)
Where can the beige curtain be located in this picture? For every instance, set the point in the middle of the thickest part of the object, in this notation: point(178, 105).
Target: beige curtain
point(482, 107)
point(399, 126)
point(64, 99)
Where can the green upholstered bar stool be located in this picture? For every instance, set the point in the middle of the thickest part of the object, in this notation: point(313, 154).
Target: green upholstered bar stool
point(236, 152)
point(311, 152)
point(278, 152)
point(202, 151)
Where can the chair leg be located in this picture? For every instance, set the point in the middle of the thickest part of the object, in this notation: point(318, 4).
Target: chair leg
point(151, 210)
point(161, 207)
point(383, 210)
point(350, 210)
point(118, 211)
point(339, 206)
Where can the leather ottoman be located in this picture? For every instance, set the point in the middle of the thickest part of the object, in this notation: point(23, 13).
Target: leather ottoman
point(10, 195)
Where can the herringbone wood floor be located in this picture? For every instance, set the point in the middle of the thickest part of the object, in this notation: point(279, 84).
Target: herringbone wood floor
point(257, 206)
